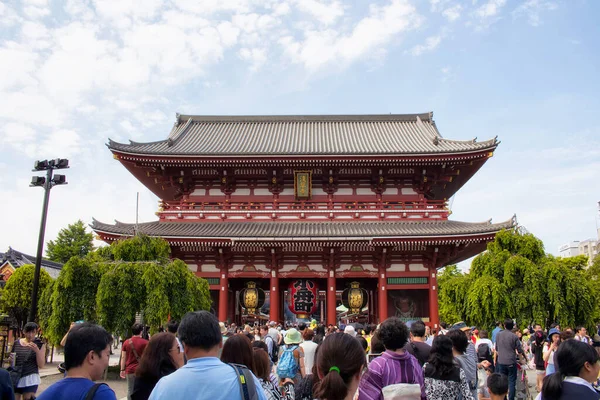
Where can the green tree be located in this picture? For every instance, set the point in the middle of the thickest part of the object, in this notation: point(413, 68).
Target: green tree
point(74, 240)
point(141, 248)
point(45, 307)
point(146, 282)
point(447, 279)
point(74, 295)
point(16, 296)
point(121, 295)
point(572, 296)
point(515, 278)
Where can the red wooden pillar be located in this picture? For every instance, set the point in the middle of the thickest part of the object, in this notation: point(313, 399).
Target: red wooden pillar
point(382, 289)
point(274, 288)
point(434, 317)
point(223, 289)
point(331, 291)
point(223, 295)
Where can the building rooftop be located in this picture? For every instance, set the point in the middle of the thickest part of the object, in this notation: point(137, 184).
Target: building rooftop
point(243, 231)
point(18, 259)
point(389, 134)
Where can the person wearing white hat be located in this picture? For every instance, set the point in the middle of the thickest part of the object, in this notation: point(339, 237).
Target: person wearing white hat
point(349, 329)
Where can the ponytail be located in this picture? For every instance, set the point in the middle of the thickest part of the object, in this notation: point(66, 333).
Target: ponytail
point(332, 387)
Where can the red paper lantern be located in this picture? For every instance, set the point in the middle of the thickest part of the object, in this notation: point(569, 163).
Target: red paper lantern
point(303, 297)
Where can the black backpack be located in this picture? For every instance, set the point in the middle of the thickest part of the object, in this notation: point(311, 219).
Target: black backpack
point(274, 356)
point(484, 352)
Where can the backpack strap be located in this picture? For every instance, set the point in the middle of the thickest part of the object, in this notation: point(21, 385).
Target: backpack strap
point(135, 353)
point(246, 381)
point(92, 392)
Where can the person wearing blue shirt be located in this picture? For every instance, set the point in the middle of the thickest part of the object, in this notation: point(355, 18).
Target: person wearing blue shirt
point(204, 376)
point(497, 329)
point(87, 352)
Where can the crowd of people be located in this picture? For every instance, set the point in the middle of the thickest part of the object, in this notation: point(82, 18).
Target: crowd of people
point(202, 358)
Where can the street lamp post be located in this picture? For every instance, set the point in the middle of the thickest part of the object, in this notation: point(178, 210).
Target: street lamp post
point(47, 182)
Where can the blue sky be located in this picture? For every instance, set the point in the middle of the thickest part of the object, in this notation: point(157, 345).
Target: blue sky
point(74, 73)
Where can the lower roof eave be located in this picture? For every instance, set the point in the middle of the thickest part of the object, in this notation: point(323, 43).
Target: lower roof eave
point(372, 240)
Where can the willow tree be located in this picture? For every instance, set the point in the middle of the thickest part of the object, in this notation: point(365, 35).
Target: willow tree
point(141, 248)
point(572, 295)
point(74, 295)
point(142, 280)
point(121, 295)
point(505, 281)
point(449, 280)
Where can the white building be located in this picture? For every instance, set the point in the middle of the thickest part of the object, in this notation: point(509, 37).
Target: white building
point(589, 248)
point(569, 249)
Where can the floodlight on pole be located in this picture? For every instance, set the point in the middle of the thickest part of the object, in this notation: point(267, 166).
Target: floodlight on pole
point(47, 182)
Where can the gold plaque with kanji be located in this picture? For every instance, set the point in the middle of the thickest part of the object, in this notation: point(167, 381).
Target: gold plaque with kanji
point(303, 185)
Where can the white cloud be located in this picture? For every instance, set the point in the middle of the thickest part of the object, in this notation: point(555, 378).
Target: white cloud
point(438, 5)
point(452, 13)
point(325, 47)
point(490, 9)
point(448, 74)
point(531, 9)
point(431, 43)
point(256, 57)
point(8, 15)
point(325, 12)
point(34, 12)
point(17, 134)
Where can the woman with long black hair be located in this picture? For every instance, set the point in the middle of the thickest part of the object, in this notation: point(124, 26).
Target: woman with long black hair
point(443, 378)
point(160, 358)
point(577, 367)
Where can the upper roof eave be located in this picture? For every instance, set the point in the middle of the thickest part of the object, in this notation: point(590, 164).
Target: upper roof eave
point(426, 116)
point(492, 147)
point(303, 136)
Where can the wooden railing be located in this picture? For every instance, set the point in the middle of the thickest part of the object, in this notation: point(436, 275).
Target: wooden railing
point(435, 205)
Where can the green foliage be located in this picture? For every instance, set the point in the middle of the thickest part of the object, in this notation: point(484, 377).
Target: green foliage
point(74, 240)
point(16, 296)
point(74, 296)
point(447, 309)
point(45, 307)
point(141, 248)
point(514, 278)
point(487, 301)
point(159, 290)
point(121, 294)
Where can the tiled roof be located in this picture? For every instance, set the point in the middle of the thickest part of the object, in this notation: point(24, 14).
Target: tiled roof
point(18, 259)
point(304, 230)
point(392, 134)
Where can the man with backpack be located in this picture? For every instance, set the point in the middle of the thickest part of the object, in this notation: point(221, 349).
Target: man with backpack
point(87, 352)
point(130, 356)
point(205, 377)
point(484, 348)
point(272, 346)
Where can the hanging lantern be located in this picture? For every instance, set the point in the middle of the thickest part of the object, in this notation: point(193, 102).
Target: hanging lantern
point(252, 298)
point(303, 297)
point(355, 298)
